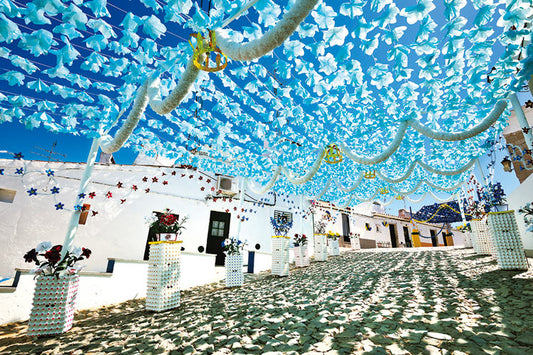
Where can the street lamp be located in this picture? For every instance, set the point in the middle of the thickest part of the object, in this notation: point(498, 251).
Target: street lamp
point(507, 165)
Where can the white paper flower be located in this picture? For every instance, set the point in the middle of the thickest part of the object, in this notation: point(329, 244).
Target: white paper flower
point(43, 246)
point(76, 251)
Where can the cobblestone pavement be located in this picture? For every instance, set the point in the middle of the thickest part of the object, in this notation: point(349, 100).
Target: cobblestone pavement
point(369, 302)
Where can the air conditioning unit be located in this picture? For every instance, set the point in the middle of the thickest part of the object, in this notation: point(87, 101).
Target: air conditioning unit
point(227, 185)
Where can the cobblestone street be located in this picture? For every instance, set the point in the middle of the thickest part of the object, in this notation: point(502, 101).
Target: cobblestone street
point(437, 301)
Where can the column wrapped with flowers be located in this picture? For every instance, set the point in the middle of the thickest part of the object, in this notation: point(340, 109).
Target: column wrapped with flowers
point(320, 242)
point(280, 245)
point(355, 242)
point(233, 248)
point(301, 258)
point(56, 288)
point(333, 243)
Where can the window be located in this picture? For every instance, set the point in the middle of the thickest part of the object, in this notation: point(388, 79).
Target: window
point(217, 230)
point(284, 215)
point(7, 195)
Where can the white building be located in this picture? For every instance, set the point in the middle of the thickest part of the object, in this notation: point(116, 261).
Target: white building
point(118, 202)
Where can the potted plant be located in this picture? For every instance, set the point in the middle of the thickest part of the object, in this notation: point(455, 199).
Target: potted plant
point(56, 287)
point(301, 258)
point(333, 243)
point(166, 225)
point(233, 249)
point(280, 245)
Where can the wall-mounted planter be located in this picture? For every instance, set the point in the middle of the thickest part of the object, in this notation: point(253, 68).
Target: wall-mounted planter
point(234, 274)
point(507, 242)
point(53, 305)
point(163, 291)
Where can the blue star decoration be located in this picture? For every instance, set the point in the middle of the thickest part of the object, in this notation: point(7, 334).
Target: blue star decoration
point(82, 195)
point(49, 172)
point(32, 191)
point(55, 190)
point(18, 156)
point(59, 206)
point(78, 208)
point(19, 171)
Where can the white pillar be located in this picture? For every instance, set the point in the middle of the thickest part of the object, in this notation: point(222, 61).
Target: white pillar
point(522, 121)
point(241, 201)
point(481, 173)
point(84, 182)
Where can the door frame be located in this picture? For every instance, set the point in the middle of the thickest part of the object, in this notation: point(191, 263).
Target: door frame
point(216, 245)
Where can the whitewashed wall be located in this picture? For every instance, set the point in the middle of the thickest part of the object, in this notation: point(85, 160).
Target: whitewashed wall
point(378, 231)
point(518, 199)
point(120, 230)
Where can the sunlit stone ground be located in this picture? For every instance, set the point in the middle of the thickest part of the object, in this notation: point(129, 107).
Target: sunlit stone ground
point(398, 302)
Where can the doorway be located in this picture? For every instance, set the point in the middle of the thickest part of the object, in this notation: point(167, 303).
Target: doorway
point(218, 231)
point(345, 228)
point(393, 235)
point(433, 237)
point(407, 237)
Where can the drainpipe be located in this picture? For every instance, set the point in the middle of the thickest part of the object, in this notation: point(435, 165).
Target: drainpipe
point(84, 182)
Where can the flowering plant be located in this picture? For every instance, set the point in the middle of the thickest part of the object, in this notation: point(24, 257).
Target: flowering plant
point(300, 240)
point(233, 246)
point(281, 225)
point(167, 222)
point(333, 236)
point(527, 210)
point(465, 228)
point(354, 235)
point(320, 227)
point(52, 264)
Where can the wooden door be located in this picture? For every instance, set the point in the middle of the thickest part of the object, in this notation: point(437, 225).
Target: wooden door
point(218, 231)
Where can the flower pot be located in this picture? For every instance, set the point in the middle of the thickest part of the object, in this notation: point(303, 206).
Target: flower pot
point(507, 242)
point(53, 305)
point(162, 290)
point(301, 259)
point(321, 248)
point(234, 274)
point(280, 255)
point(167, 237)
point(333, 247)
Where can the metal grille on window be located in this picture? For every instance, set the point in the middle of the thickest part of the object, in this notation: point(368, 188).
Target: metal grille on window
point(287, 215)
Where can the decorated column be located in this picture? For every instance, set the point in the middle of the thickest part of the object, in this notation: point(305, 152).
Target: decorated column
point(507, 242)
point(355, 243)
point(333, 244)
point(301, 258)
point(482, 240)
point(56, 288)
point(163, 291)
point(280, 245)
point(233, 248)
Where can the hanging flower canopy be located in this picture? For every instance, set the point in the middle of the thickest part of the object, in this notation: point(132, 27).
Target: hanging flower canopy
point(408, 89)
